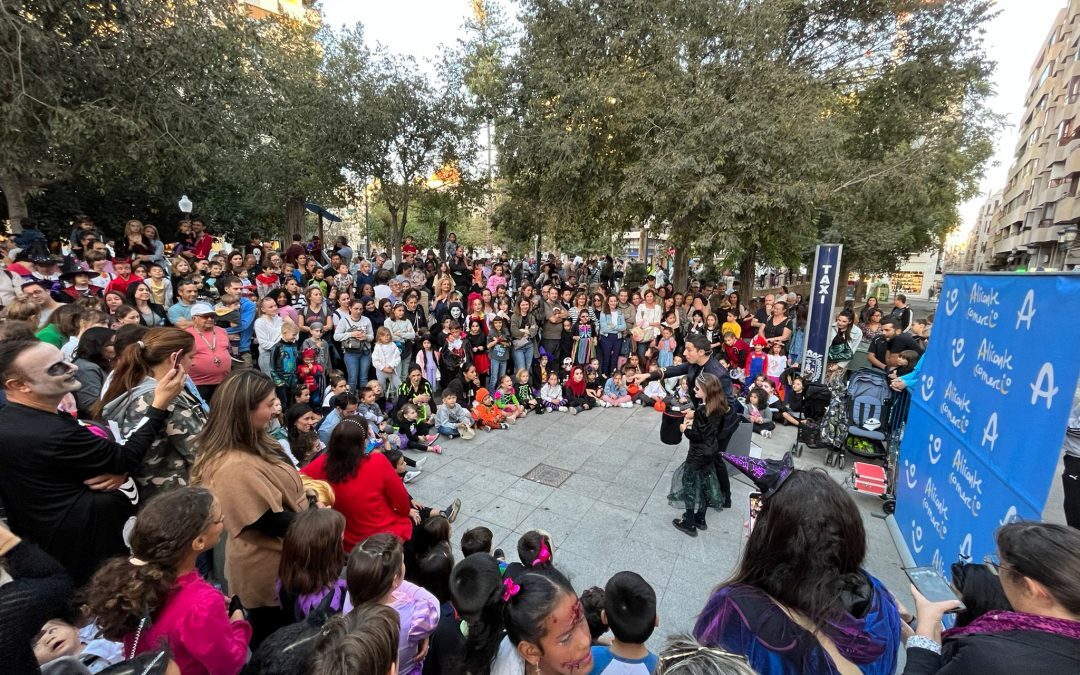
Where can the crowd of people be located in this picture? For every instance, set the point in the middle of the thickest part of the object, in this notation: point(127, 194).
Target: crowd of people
point(204, 461)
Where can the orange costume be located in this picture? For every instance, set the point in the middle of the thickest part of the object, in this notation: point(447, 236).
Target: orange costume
point(486, 415)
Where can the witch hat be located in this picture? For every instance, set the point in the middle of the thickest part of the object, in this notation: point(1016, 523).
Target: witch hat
point(768, 474)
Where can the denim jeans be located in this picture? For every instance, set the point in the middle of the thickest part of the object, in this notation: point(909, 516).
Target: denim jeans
point(523, 357)
point(446, 431)
point(610, 346)
point(498, 369)
point(357, 365)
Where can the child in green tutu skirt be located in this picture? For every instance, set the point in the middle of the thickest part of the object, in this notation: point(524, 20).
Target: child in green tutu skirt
point(707, 428)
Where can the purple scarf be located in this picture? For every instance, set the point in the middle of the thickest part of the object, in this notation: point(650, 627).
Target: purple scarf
point(1000, 622)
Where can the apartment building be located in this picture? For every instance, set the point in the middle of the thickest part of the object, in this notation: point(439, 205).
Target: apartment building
point(1035, 224)
point(975, 250)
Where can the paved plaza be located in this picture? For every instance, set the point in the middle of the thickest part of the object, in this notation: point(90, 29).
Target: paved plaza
point(611, 512)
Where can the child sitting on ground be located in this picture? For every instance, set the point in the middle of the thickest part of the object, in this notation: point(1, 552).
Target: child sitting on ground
point(551, 394)
point(478, 540)
point(633, 389)
point(654, 391)
point(630, 613)
point(485, 413)
point(534, 550)
point(453, 420)
point(506, 399)
point(577, 398)
point(593, 386)
point(526, 396)
point(616, 393)
point(408, 418)
point(760, 412)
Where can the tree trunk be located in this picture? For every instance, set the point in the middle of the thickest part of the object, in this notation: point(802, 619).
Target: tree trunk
point(16, 190)
point(682, 235)
point(294, 219)
point(747, 275)
point(442, 238)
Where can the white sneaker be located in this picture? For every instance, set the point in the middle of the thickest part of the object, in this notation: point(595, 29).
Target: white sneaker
point(562, 408)
point(420, 463)
point(603, 404)
point(573, 411)
point(410, 476)
point(628, 404)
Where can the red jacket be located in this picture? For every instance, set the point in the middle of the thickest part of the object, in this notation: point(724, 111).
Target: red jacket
point(120, 285)
point(373, 500)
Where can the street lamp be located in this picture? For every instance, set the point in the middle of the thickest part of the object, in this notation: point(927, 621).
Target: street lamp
point(185, 207)
point(645, 255)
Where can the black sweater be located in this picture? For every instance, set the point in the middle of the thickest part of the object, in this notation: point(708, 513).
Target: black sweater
point(44, 459)
point(40, 590)
point(1004, 653)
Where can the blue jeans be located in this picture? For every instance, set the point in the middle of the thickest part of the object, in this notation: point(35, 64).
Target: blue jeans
point(357, 366)
point(523, 357)
point(498, 369)
point(447, 431)
point(610, 346)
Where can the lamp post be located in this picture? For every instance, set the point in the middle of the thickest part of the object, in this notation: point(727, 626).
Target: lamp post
point(185, 207)
point(645, 253)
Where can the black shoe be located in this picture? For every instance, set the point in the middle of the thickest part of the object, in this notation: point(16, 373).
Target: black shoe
point(685, 526)
point(699, 522)
point(452, 512)
point(726, 504)
point(499, 554)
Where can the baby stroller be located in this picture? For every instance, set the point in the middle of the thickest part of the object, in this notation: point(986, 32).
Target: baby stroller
point(856, 418)
point(815, 403)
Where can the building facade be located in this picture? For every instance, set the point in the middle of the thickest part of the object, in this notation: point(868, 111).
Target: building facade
point(978, 241)
point(260, 9)
point(1035, 225)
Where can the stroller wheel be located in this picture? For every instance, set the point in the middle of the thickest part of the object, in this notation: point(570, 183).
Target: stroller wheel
point(889, 507)
point(840, 461)
point(830, 458)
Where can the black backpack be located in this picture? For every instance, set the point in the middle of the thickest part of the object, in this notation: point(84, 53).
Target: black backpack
point(288, 650)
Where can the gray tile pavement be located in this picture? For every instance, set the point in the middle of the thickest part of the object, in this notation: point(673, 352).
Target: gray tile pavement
point(612, 513)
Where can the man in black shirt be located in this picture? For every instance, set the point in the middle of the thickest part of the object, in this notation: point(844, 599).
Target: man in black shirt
point(878, 351)
point(48, 461)
point(902, 312)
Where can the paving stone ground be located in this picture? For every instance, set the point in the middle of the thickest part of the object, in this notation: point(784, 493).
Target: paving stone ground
point(612, 513)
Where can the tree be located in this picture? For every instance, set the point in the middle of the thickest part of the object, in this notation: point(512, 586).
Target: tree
point(411, 127)
point(110, 90)
point(738, 125)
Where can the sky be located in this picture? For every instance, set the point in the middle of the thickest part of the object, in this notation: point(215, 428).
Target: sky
point(1013, 40)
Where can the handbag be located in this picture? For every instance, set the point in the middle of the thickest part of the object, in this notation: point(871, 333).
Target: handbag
point(351, 344)
point(840, 352)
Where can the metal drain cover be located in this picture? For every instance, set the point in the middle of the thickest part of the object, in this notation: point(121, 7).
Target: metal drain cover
point(552, 476)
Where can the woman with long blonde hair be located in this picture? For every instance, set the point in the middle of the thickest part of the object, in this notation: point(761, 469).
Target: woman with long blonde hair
point(259, 490)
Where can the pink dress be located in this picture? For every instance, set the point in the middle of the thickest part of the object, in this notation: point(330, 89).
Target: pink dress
point(195, 623)
point(419, 614)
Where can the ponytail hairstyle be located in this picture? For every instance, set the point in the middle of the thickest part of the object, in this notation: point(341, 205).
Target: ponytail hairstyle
point(373, 568)
point(363, 641)
point(407, 407)
point(311, 552)
point(538, 591)
point(531, 547)
point(138, 360)
point(476, 588)
point(128, 589)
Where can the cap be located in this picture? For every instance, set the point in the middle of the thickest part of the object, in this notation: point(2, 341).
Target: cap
point(202, 309)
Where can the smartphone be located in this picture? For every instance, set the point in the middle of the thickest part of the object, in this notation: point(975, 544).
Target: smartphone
point(755, 509)
point(932, 584)
point(176, 356)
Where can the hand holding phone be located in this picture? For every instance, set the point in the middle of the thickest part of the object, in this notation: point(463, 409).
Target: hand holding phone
point(175, 358)
point(933, 586)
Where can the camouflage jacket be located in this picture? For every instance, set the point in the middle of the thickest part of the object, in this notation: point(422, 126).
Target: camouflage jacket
point(169, 459)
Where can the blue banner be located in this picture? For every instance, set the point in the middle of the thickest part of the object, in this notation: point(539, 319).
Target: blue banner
point(823, 294)
point(988, 414)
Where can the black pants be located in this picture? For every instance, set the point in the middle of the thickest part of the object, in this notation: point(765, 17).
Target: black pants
point(1070, 481)
point(720, 467)
point(552, 347)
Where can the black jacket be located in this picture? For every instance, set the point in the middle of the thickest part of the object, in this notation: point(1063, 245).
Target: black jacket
point(1004, 653)
point(44, 459)
point(708, 436)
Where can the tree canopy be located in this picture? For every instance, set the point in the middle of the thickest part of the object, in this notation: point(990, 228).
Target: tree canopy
point(748, 129)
